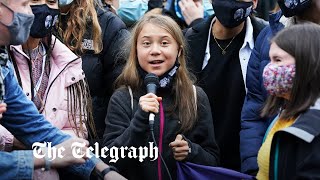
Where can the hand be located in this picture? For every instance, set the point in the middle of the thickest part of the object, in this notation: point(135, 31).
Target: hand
point(112, 175)
point(180, 148)
point(3, 108)
point(191, 10)
point(150, 103)
point(68, 157)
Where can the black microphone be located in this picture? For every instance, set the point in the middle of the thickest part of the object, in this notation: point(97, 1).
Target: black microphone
point(152, 83)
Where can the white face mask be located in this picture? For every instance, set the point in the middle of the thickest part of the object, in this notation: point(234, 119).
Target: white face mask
point(65, 2)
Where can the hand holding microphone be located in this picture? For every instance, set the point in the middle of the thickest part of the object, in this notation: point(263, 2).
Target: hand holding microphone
point(150, 102)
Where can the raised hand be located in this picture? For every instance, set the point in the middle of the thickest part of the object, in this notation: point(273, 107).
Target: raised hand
point(180, 148)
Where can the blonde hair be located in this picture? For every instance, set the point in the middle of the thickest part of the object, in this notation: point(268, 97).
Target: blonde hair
point(83, 13)
point(182, 87)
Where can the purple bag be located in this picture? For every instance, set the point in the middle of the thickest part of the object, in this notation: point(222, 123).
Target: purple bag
point(190, 171)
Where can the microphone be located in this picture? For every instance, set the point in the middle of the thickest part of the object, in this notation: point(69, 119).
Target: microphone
point(152, 83)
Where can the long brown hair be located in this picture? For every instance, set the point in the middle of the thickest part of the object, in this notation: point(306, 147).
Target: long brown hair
point(306, 87)
point(82, 14)
point(184, 99)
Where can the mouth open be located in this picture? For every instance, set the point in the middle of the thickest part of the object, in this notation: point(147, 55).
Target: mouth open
point(156, 62)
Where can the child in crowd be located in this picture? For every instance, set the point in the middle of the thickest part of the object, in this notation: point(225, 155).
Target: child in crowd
point(292, 143)
point(183, 124)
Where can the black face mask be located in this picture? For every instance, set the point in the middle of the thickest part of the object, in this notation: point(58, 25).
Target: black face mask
point(165, 80)
point(291, 8)
point(44, 20)
point(231, 13)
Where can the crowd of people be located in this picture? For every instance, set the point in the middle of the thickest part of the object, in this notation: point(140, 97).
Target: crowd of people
point(231, 90)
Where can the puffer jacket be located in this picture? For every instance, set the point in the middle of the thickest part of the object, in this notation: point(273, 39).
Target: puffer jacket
point(27, 125)
point(66, 70)
point(253, 127)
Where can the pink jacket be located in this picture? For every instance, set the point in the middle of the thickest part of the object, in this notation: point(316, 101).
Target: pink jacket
point(66, 69)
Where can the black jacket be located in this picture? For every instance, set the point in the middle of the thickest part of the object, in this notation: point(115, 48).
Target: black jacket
point(125, 127)
point(298, 149)
point(227, 131)
point(102, 69)
point(197, 36)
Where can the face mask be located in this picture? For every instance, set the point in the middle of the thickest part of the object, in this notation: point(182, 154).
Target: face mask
point(278, 80)
point(291, 8)
point(207, 9)
point(231, 13)
point(44, 20)
point(165, 80)
point(131, 11)
point(65, 2)
point(20, 27)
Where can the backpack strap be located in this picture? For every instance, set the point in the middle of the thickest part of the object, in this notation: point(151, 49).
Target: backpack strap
point(131, 95)
point(195, 95)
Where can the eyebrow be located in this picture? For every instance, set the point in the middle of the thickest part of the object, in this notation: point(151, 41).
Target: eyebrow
point(160, 36)
point(275, 56)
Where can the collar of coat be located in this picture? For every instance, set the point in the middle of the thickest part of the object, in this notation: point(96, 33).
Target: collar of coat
point(307, 125)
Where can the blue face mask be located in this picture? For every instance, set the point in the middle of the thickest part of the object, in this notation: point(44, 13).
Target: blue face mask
point(65, 2)
point(20, 27)
point(207, 8)
point(131, 11)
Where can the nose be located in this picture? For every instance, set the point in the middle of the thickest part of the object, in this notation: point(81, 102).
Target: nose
point(155, 49)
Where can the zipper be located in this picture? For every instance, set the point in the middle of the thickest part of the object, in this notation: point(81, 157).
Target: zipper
point(53, 79)
point(276, 159)
point(16, 69)
point(57, 77)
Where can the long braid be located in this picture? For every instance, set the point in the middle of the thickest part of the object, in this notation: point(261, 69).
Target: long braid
point(80, 106)
point(90, 123)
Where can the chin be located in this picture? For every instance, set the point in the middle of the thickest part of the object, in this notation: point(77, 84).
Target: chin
point(158, 73)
